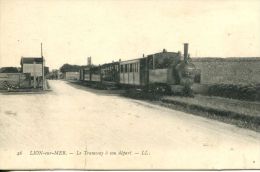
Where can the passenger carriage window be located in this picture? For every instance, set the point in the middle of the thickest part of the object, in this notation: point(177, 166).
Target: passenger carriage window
point(131, 67)
point(125, 68)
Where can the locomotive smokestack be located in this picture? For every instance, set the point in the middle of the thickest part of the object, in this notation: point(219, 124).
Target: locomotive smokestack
point(186, 47)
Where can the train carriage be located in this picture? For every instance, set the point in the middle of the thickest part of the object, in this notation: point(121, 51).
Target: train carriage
point(130, 72)
point(110, 73)
point(95, 74)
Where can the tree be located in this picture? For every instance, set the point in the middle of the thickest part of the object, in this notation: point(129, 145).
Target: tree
point(9, 70)
point(69, 68)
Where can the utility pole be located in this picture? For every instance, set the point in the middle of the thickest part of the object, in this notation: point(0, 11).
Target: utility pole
point(34, 74)
point(42, 69)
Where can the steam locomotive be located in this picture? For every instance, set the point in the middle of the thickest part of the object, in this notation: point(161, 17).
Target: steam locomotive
point(166, 72)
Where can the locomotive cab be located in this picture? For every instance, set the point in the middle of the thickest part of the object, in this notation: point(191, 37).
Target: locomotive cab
point(160, 71)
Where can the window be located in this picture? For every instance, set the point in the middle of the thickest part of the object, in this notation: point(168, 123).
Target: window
point(121, 69)
point(131, 67)
point(163, 61)
point(125, 68)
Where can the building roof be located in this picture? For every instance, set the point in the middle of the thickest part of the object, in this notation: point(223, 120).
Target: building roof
point(30, 60)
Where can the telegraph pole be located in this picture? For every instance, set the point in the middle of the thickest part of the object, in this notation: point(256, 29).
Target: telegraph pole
point(42, 68)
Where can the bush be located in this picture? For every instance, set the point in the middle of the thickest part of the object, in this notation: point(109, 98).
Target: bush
point(243, 92)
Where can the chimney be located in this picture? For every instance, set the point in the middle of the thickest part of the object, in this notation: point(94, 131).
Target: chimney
point(89, 61)
point(186, 46)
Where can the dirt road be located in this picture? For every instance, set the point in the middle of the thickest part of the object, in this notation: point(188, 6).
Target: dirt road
point(74, 128)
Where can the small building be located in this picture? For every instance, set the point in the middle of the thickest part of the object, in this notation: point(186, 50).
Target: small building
point(34, 67)
point(72, 75)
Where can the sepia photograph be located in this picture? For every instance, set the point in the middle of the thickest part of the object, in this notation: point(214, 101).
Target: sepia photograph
point(129, 85)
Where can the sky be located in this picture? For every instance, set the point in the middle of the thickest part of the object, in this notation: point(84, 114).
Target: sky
point(108, 30)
